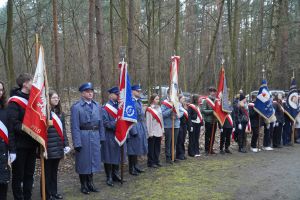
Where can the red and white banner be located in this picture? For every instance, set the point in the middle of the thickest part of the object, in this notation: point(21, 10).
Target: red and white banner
point(197, 110)
point(155, 115)
point(127, 115)
point(3, 132)
point(35, 118)
point(111, 110)
point(229, 118)
point(58, 126)
point(174, 68)
point(19, 100)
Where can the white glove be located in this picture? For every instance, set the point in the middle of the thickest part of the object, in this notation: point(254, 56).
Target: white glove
point(274, 124)
point(221, 130)
point(12, 157)
point(277, 124)
point(192, 129)
point(240, 127)
point(233, 130)
point(67, 150)
point(268, 126)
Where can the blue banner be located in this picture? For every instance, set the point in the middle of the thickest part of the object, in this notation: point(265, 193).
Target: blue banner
point(264, 102)
point(292, 103)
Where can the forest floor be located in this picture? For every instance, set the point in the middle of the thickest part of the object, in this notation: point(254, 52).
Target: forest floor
point(265, 175)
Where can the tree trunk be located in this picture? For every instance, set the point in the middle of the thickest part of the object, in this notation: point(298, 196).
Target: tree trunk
point(112, 40)
point(9, 45)
point(59, 75)
point(130, 37)
point(100, 36)
point(91, 71)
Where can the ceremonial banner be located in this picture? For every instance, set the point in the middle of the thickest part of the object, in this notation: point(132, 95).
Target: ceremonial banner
point(292, 104)
point(126, 116)
point(35, 118)
point(222, 106)
point(174, 82)
point(264, 103)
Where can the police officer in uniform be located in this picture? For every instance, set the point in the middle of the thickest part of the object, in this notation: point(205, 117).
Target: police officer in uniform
point(87, 132)
point(137, 138)
point(111, 151)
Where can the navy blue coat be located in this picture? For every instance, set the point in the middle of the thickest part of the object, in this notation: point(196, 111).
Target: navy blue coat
point(137, 138)
point(4, 168)
point(88, 160)
point(110, 149)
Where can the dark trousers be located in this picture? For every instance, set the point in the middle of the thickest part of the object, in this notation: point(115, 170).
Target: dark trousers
point(22, 172)
point(193, 148)
point(180, 148)
point(210, 131)
point(225, 138)
point(254, 138)
point(168, 142)
point(286, 134)
point(153, 150)
point(267, 137)
point(242, 137)
point(51, 168)
point(3, 191)
point(277, 135)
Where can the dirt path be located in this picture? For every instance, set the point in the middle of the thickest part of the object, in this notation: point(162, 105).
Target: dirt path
point(266, 175)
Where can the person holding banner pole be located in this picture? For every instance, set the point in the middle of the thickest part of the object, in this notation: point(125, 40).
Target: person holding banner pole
point(279, 113)
point(155, 126)
point(226, 131)
point(255, 125)
point(168, 113)
point(5, 157)
point(111, 151)
point(21, 143)
point(210, 120)
point(57, 146)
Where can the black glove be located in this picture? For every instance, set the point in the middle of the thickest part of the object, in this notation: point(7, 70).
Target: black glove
point(77, 149)
point(102, 142)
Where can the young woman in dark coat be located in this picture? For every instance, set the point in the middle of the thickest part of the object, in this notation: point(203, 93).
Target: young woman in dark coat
point(4, 156)
point(57, 146)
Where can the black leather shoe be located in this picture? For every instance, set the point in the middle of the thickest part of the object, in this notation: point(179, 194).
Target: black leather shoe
point(139, 170)
point(58, 196)
point(83, 182)
point(84, 190)
point(158, 165)
point(222, 152)
point(109, 182)
point(90, 184)
point(228, 151)
point(133, 172)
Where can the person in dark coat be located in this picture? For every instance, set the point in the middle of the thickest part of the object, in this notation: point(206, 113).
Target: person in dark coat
point(137, 138)
point(184, 126)
point(242, 119)
point(279, 113)
point(4, 141)
point(20, 142)
point(57, 146)
point(195, 126)
point(110, 149)
point(210, 120)
point(87, 132)
point(226, 131)
point(255, 125)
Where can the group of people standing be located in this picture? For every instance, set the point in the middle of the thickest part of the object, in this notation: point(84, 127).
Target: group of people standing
point(93, 134)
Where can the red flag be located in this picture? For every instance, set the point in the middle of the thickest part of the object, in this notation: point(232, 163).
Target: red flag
point(174, 68)
point(218, 110)
point(126, 116)
point(35, 119)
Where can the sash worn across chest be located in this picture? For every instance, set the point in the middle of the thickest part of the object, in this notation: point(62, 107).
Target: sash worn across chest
point(58, 125)
point(155, 115)
point(3, 132)
point(197, 110)
point(19, 100)
point(112, 111)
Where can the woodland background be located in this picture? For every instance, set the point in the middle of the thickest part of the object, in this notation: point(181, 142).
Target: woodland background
point(82, 39)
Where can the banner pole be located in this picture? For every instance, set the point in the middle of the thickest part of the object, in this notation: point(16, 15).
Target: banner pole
point(37, 46)
point(173, 137)
point(122, 164)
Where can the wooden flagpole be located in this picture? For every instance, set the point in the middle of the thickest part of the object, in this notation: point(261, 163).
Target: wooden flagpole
point(37, 46)
point(173, 137)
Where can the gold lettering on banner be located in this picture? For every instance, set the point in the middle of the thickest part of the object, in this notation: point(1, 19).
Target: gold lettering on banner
point(35, 129)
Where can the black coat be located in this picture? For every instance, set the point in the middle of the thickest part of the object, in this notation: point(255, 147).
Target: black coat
point(254, 117)
point(279, 113)
point(4, 168)
point(242, 116)
point(55, 146)
point(18, 138)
